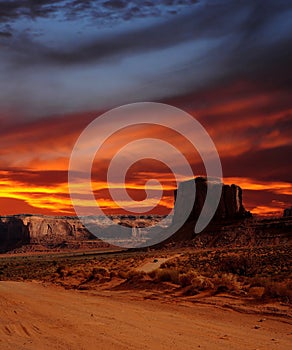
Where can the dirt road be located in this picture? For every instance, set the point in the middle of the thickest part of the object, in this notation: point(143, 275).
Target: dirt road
point(33, 316)
point(155, 263)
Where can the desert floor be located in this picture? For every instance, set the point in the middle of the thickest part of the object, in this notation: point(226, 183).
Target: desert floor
point(39, 316)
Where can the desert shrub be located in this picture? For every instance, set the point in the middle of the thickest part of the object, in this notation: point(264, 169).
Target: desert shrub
point(69, 273)
point(80, 273)
point(195, 282)
point(113, 274)
point(134, 275)
point(169, 264)
point(152, 274)
point(165, 275)
point(100, 274)
point(200, 282)
point(186, 279)
point(100, 271)
point(123, 274)
point(273, 289)
point(256, 292)
point(279, 290)
point(241, 265)
point(61, 270)
point(226, 282)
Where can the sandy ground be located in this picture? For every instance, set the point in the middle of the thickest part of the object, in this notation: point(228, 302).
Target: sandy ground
point(34, 316)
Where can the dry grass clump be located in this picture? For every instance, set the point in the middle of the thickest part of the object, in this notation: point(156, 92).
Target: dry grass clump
point(165, 275)
point(227, 282)
point(100, 274)
point(268, 288)
point(193, 278)
point(81, 274)
point(216, 284)
point(241, 265)
point(134, 275)
point(123, 274)
point(193, 282)
point(256, 292)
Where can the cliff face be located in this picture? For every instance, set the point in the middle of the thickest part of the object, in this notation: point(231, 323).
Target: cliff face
point(55, 229)
point(30, 233)
point(230, 205)
point(13, 233)
point(42, 231)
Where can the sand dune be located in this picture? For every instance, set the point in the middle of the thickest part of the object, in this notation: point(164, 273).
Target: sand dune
point(37, 317)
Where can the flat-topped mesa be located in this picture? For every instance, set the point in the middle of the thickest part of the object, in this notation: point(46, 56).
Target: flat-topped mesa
point(54, 228)
point(230, 205)
point(49, 231)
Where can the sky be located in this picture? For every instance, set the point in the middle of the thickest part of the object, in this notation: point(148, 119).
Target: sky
point(65, 62)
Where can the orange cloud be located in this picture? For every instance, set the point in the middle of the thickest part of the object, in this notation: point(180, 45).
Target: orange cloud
point(249, 125)
point(52, 199)
point(254, 185)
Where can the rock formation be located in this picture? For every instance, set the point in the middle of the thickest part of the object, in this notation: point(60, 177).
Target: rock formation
point(230, 205)
point(44, 232)
point(190, 198)
point(13, 233)
point(54, 228)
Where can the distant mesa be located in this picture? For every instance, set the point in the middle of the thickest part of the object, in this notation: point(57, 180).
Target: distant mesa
point(230, 205)
point(40, 233)
point(43, 233)
point(231, 226)
point(230, 210)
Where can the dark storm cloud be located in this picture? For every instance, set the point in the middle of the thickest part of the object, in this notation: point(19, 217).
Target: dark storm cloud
point(45, 178)
point(115, 4)
point(272, 164)
point(251, 34)
point(21, 8)
point(260, 197)
point(156, 36)
point(210, 44)
point(17, 9)
point(5, 34)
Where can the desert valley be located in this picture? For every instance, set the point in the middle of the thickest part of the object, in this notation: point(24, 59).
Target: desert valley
point(62, 288)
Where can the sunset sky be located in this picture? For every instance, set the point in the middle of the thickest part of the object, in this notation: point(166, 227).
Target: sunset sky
point(65, 62)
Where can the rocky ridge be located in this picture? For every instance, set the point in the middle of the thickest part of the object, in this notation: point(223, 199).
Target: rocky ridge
point(232, 225)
